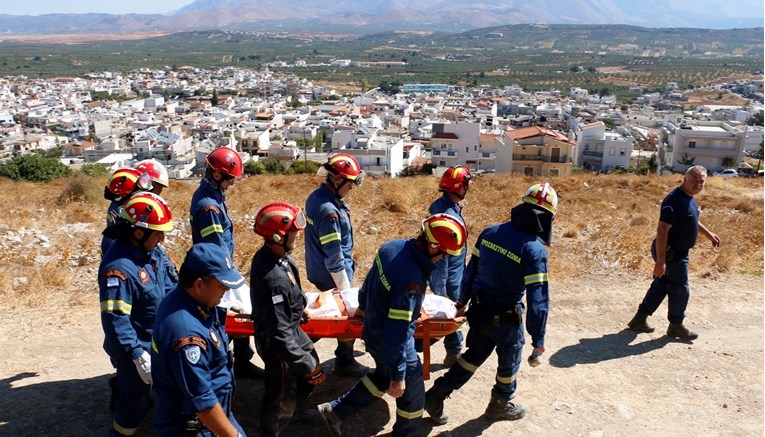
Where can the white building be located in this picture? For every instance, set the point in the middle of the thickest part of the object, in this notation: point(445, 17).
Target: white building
point(598, 149)
point(707, 143)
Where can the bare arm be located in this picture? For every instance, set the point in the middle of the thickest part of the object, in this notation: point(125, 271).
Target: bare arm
point(662, 233)
point(215, 420)
point(709, 234)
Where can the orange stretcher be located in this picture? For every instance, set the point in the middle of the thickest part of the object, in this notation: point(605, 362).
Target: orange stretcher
point(241, 325)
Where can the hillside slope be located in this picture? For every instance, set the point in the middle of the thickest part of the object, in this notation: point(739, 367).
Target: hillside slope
point(597, 378)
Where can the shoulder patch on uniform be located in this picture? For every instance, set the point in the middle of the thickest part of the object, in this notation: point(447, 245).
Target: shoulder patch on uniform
point(192, 354)
point(115, 273)
point(190, 339)
point(277, 299)
point(332, 216)
point(212, 208)
point(143, 275)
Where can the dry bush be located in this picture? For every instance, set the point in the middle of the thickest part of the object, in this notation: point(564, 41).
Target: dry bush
point(604, 223)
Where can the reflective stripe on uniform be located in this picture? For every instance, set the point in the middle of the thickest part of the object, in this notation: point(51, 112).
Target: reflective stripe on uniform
point(334, 236)
point(154, 346)
point(475, 251)
point(534, 278)
point(122, 430)
point(506, 379)
point(467, 366)
point(116, 306)
point(404, 315)
point(371, 387)
point(211, 230)
point(409, 414)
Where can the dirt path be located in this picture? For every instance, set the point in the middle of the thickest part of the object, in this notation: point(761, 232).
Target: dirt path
point(597, 379)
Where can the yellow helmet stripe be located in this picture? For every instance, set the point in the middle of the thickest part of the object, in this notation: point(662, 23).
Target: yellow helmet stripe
point(444, 223)
point(268, 215)
point(125, 174)
point(153, 203)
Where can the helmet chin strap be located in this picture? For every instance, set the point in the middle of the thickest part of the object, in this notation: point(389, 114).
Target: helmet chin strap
point(336, 189)
point(141, 241)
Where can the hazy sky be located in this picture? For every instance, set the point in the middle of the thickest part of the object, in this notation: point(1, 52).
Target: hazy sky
point(39, 7)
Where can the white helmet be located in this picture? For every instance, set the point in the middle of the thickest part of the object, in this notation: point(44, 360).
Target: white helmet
point(156, 170)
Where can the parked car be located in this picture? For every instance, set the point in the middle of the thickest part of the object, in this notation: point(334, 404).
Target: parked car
point(727, 173)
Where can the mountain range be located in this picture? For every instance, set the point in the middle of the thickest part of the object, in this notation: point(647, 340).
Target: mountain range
point(352, 16)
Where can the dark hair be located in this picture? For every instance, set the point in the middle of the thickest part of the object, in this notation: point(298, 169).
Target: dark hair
point(186, 276)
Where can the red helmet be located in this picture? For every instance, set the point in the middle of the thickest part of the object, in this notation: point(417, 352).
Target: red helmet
point(126, 181)
point(455, 178)
point(149, 211)
point(543, 196)
point(277, 219)
point(345, 166)
point(156, 170)
point(445, 232)
point(225, 161)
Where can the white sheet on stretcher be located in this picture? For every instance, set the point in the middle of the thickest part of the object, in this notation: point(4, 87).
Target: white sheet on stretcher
point(327, 308)
point(237, 300)
point(438, 307)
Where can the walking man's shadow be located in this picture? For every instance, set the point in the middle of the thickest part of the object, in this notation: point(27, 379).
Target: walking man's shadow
point(607, 347)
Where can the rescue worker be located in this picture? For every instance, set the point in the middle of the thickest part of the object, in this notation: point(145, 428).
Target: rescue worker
point(192, 367)
point(508, 260)
point(158, 174)
point(329, 244)
point(446, 278)
point(210, 223)
point(392, 297)
point(122, 183)
point(159, 181)
point(132, 284)
point(676, 234)
point(292, 365)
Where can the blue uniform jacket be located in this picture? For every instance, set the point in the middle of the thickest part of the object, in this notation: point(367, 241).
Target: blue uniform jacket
point(328, 238)
point(132, 283)
point(392, 296)
point(278, 302)
point(189, 361)
point(505, 263)
point(682, 212)
point(209, 218)
point(450, 269)
point(112, 215)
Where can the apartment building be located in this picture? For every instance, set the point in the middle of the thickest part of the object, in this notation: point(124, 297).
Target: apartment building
point(714, 144)
point(601, 150)
point(535, 151)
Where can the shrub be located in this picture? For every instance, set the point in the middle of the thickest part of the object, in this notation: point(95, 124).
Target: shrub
point(95, 170)
point(34, 168)
point(301, 167)
point(253, 168)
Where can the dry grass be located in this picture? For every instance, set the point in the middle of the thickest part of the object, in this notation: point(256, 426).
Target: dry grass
point(605, 223)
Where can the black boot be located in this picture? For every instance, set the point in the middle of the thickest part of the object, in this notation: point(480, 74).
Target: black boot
point(502, 409)
point(678, 330)
point(434, 405)
point(639, 323)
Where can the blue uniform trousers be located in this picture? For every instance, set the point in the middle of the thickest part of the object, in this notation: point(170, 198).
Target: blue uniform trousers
point(373, 386)
point(508, 340)
point(132, 400)
point(674, 285)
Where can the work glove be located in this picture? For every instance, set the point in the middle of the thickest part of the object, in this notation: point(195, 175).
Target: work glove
point(341, 280)
point(536, 355)
point(317, 376)
point(143, 365)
